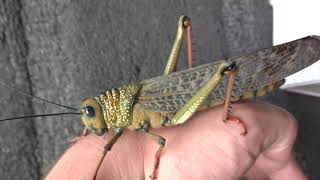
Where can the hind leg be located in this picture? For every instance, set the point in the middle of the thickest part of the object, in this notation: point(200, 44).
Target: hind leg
point(227, 116)
point(183, 23)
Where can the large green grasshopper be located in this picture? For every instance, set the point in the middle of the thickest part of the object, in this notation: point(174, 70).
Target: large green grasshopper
point(171, 99)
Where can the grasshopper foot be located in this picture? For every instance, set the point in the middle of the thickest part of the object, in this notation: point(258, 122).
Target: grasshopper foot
point(240, 122)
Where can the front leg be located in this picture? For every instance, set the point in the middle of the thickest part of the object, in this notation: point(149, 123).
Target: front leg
point(108, 147)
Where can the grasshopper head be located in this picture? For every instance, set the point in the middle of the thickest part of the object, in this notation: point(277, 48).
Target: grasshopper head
point(91, 116)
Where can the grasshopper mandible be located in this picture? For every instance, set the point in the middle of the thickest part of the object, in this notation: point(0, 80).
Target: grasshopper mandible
point(171, 99)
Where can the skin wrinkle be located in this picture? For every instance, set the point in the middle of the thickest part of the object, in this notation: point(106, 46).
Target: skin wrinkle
point(227, 155)
point(117, 166)
point(222, 166)
point(244, 147)
point(242, 141)
point(292, 129)
point(234, 137)
point(138, 143)
point(291, 123)
point(267, 142)
point(179, 166)
point(238, 161)
point(203, 151)
point(121, 165)
point(283, 167)
point(293, 126)
point(274, 162)
point(278, 153)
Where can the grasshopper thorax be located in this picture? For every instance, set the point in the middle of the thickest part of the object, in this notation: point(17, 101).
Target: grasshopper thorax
point(92, 116)
point(117, 104)
point(111, 109)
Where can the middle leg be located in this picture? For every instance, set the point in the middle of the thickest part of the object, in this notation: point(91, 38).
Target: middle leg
point(108, 147)
point(144, 129)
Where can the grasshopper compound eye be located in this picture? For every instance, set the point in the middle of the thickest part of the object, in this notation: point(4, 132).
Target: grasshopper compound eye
point(88, 111)
point(92, 117)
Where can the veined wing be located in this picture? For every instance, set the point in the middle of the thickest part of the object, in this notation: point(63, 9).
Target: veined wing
point(167, 94)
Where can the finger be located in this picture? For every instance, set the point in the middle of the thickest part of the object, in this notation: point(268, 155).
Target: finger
point(79, 161)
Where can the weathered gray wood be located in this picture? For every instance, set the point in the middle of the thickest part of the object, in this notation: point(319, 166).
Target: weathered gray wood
point(17, 139)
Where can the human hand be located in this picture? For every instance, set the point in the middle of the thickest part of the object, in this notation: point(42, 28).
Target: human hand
point(203, 148)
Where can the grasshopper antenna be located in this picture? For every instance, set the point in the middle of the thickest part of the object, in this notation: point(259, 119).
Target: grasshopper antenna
point(36, 97)
point(40, 115)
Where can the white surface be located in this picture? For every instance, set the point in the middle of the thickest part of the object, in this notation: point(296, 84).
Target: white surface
point(294, 19)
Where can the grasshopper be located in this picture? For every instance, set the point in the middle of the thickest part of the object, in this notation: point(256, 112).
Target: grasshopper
point(171, 99)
